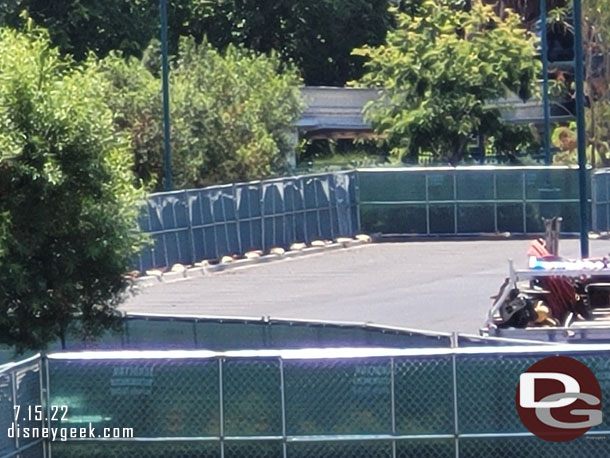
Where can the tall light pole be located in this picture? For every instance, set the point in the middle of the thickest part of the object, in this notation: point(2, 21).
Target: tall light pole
point(167, 156)
point(580, 128)
point(545, 83)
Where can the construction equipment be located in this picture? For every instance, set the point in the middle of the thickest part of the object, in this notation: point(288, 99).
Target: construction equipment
point(553, 299)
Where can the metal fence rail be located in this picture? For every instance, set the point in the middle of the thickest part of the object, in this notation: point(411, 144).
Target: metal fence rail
point(235, 333)
point(152, 332)
point(194, 224)
point(303, 403)
point(600, 190)
point(467, 200)
point(162, 332)
point(20, 387)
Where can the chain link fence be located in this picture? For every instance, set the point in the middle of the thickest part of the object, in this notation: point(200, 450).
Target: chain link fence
point(148, 332)
point(20, 390)
point(601, 200)
point(213, 333)
point(195, 224)
point(162, 332)
point(467, 200)
point(300, 403)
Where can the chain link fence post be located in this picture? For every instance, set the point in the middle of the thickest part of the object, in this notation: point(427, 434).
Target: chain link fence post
point(14, 396)
point(393, 406)
point(221, 428)
point(283, 406)
point(454, 344)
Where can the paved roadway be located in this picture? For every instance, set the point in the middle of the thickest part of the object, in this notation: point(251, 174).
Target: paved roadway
point(438, 286)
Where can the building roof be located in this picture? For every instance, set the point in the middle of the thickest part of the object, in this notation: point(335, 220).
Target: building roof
point(336, 112)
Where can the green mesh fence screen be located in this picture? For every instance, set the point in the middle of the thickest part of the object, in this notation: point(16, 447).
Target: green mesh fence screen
point(20, 392)
point(467, 200)
point(527, 447)
point(601, 200)
point(163, 449)
point(345, 397)
point(191, 225)
point(423, 395)
point(412, 404)
point(144, 332)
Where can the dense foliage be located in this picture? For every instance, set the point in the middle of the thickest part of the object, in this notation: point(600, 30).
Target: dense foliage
point(596, 25)
point(68, 205)
point(317, 35)
point(439, 69)
point(596, 44)
point(232, 113)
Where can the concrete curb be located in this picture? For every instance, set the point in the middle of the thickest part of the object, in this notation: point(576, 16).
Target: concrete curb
point(400, 238)
point(205, 270)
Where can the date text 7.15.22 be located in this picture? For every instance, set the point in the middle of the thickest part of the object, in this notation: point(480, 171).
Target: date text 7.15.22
point(38, 413)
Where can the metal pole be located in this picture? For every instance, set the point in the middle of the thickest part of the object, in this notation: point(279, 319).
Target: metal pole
point(283, 405)
point(456, 428)
point(43, 399)
point(221, 416)
point(393, 403)
point(545, 84)
point(427, 204)
point(165, 82)
point(48, 401)
point(580, 123)
point(15, 403)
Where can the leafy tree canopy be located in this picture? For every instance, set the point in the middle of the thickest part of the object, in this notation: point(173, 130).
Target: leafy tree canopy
point(596, 25)
point(440, 69)
point(78, 27)
point(68, 207)
point(232, 113)
point(317, 35)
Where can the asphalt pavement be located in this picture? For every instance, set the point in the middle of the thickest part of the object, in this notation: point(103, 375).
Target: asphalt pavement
point(432, 285)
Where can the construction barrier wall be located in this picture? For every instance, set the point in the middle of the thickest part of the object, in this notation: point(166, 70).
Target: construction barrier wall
point(22, 386)
point(146, 332)
point(196, 224)
point(467, 200)
point(301, 403)
point(600, 189)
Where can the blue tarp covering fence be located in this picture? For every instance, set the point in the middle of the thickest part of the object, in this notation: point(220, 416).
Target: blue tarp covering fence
point(195, 224)
point(190, 225)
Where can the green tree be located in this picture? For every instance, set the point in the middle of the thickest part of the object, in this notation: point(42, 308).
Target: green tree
point(596, 25)
point(232, 113)
point(68, 207)
point(78, 27)
point(596, 45)
point(439, 71)
point(134, 96)
point(316, 35)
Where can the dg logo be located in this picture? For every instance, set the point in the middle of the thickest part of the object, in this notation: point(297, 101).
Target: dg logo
point(559, 399)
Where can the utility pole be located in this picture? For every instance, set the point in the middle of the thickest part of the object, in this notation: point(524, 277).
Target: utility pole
point(580, 126)
point(167, 157)
point(545, 83)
